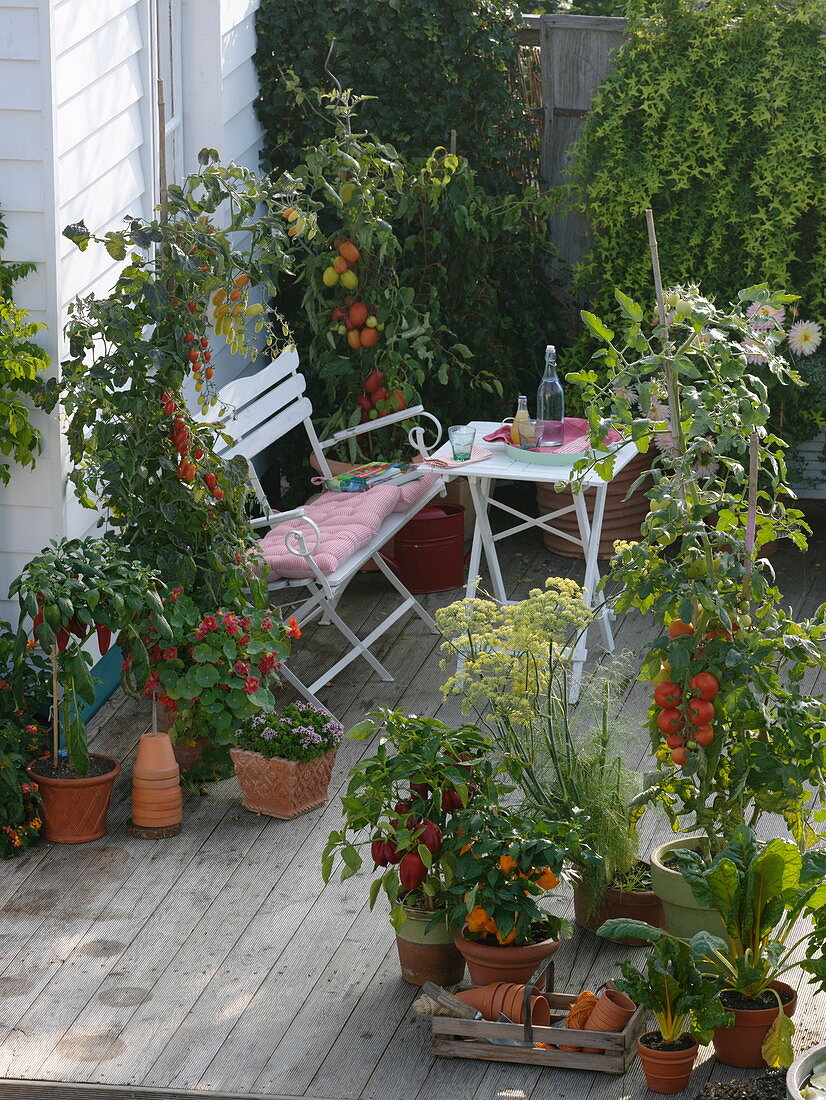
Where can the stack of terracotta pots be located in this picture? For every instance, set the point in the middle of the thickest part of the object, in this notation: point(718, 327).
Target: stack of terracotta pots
point(509, 999)
point(157, 800)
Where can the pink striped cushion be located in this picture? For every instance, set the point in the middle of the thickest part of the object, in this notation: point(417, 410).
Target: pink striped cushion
point(412, 490)
point(347, 522)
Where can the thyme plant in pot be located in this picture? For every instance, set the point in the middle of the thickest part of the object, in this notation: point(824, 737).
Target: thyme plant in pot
point(686, 1005)
point(505, 863)
point(284, 761)
point(761, 893)
point(734, 733)
point(403, 803)
point(70, 591)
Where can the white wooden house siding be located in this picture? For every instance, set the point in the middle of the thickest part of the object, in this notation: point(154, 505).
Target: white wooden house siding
point(77, 140)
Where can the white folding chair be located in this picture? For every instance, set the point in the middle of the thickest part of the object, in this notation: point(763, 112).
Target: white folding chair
point(267, 405)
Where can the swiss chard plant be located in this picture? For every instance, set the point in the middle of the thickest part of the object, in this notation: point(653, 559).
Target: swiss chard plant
point(683, 1000)
point(761, 892)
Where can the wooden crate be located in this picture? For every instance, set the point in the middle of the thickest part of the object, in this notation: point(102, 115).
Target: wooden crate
point(455, 1038)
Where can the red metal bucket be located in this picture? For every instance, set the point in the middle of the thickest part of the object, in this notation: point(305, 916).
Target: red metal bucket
point(429, 551)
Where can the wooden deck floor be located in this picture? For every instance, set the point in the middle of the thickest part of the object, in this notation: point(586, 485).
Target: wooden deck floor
point(218, 962)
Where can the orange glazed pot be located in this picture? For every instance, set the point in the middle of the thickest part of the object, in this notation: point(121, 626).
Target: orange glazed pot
point(503, 964)
point(280, 787)
point(74, 810)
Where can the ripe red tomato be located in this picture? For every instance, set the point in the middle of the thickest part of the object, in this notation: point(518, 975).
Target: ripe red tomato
point(667, 694)
point(211, 480)
point(674, 742)
point(678, 628)
point(191, 307)
point(373, 381)
point(705, 686)
point(189, 337)
point(207, 356)
point(704, 735)
point(670, 720)
point(700, 712)
point(218, 493)
point(193, 355)
point(169, 408)
point(204, 342)
point(679, 756)
point(364, 402)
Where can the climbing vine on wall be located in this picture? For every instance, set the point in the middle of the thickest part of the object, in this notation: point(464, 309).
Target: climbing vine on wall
point(715, 116)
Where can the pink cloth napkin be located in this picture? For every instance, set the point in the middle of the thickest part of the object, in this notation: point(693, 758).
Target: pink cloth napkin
point(477, 454)
point(575, 437)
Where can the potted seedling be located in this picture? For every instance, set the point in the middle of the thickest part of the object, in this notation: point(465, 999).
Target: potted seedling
point(760, 892)
point(402, 804)
point(70, 591)
point(686, 1005)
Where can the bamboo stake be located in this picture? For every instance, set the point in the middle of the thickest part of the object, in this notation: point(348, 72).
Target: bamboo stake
point(162, 184)
point(751, 520)
point(55, 719)
point(453, 143)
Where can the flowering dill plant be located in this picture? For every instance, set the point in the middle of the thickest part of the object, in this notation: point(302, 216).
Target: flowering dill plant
point(507, 649)
point(299, 732)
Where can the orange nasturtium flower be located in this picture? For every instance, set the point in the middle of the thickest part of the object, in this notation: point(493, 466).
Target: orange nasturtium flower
point(507, 864)
point(547, 880)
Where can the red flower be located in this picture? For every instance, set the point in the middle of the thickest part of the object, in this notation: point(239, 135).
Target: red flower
point(267, 663)
point(241, 669)
point(266, 623)
point(251, 685)
point(4, 685)
point(174, 594)
point(170, 654)
point(170, 704)
point(209, 623)
point(293, 629)
point(245, 622)
point(244, 640)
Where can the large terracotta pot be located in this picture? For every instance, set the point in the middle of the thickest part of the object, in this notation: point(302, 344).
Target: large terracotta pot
point(74, 810)
point(612, 1012)
point(622, 518)
point(683, 913)
point(741, 1044)
point(618, 904)
point(503, 964)
point(428, 955)
point(280, 787)
point(666, 1071)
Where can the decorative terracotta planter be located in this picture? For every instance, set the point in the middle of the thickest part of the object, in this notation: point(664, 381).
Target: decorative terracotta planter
point(666, 1071)
point(506, 964)
point(428, 955)
point(618, 904)
point(741, 1044)
point(622, 519)
point(74, 810)
point(280, 787)
point(683, 913)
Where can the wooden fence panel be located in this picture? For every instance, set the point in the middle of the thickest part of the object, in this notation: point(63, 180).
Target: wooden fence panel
point(576, 55)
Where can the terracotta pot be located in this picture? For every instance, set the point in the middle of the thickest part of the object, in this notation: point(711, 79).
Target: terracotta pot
point(480, 997)
point(683, 913)
point(612, 1012)
point(626, 904)
point(189, 753)
point(515, 1007)
point(741, 1044)
point(155, 784)
point(622, 519)
point(74, 810)
point(156, 761)
point(427, 955)
point(279, 787)
point(666, 1070)
point(511, 964)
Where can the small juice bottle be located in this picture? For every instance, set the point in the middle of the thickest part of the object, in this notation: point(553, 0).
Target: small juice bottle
point(521, 414)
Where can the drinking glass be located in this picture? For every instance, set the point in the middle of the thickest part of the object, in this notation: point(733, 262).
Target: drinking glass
point(528, 433)
point(461, 440)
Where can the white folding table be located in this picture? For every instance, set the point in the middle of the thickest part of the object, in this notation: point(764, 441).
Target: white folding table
point(482, 478)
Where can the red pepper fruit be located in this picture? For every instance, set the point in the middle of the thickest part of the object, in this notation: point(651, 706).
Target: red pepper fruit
point(431, 836)
point(412, 871)
point(670, 720)
point(379, 853)
point(705, 686)
point(451, 800)
point(700, 712)
point(76, 627)
point(678, 628)
point(393, 853)
point(104, 638)
point(62, 639)
point(667, 694)
point(420, 790)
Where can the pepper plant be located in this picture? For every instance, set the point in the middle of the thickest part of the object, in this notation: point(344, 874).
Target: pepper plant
point(734, 732)
point(71, 590)
point(403, 803)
